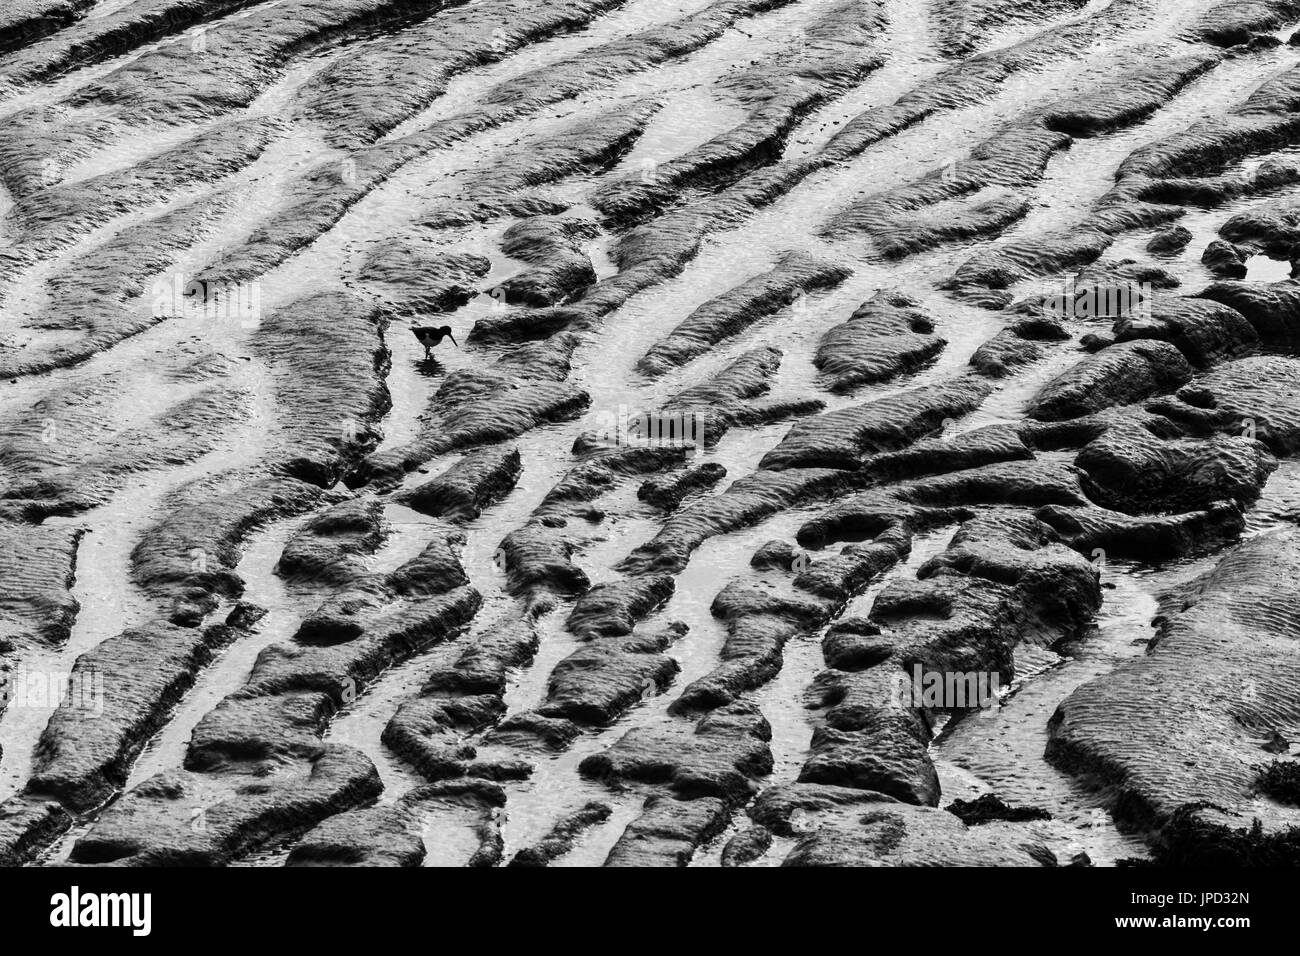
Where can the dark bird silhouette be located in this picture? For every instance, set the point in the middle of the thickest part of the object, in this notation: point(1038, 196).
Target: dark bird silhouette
point(429, 336)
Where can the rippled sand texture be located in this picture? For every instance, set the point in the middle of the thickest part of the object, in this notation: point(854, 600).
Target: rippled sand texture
point(275, 589)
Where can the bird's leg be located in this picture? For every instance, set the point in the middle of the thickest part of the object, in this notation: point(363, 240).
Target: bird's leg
point(426, 353)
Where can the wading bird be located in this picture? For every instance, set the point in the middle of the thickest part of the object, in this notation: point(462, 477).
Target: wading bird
point(429, 336)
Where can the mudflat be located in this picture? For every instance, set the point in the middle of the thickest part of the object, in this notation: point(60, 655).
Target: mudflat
point(645, 433)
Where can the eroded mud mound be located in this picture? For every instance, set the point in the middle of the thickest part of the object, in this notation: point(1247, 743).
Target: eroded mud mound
point(626, 432)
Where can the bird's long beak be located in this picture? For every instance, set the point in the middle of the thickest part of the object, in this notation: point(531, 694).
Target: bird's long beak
point(453, 340)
